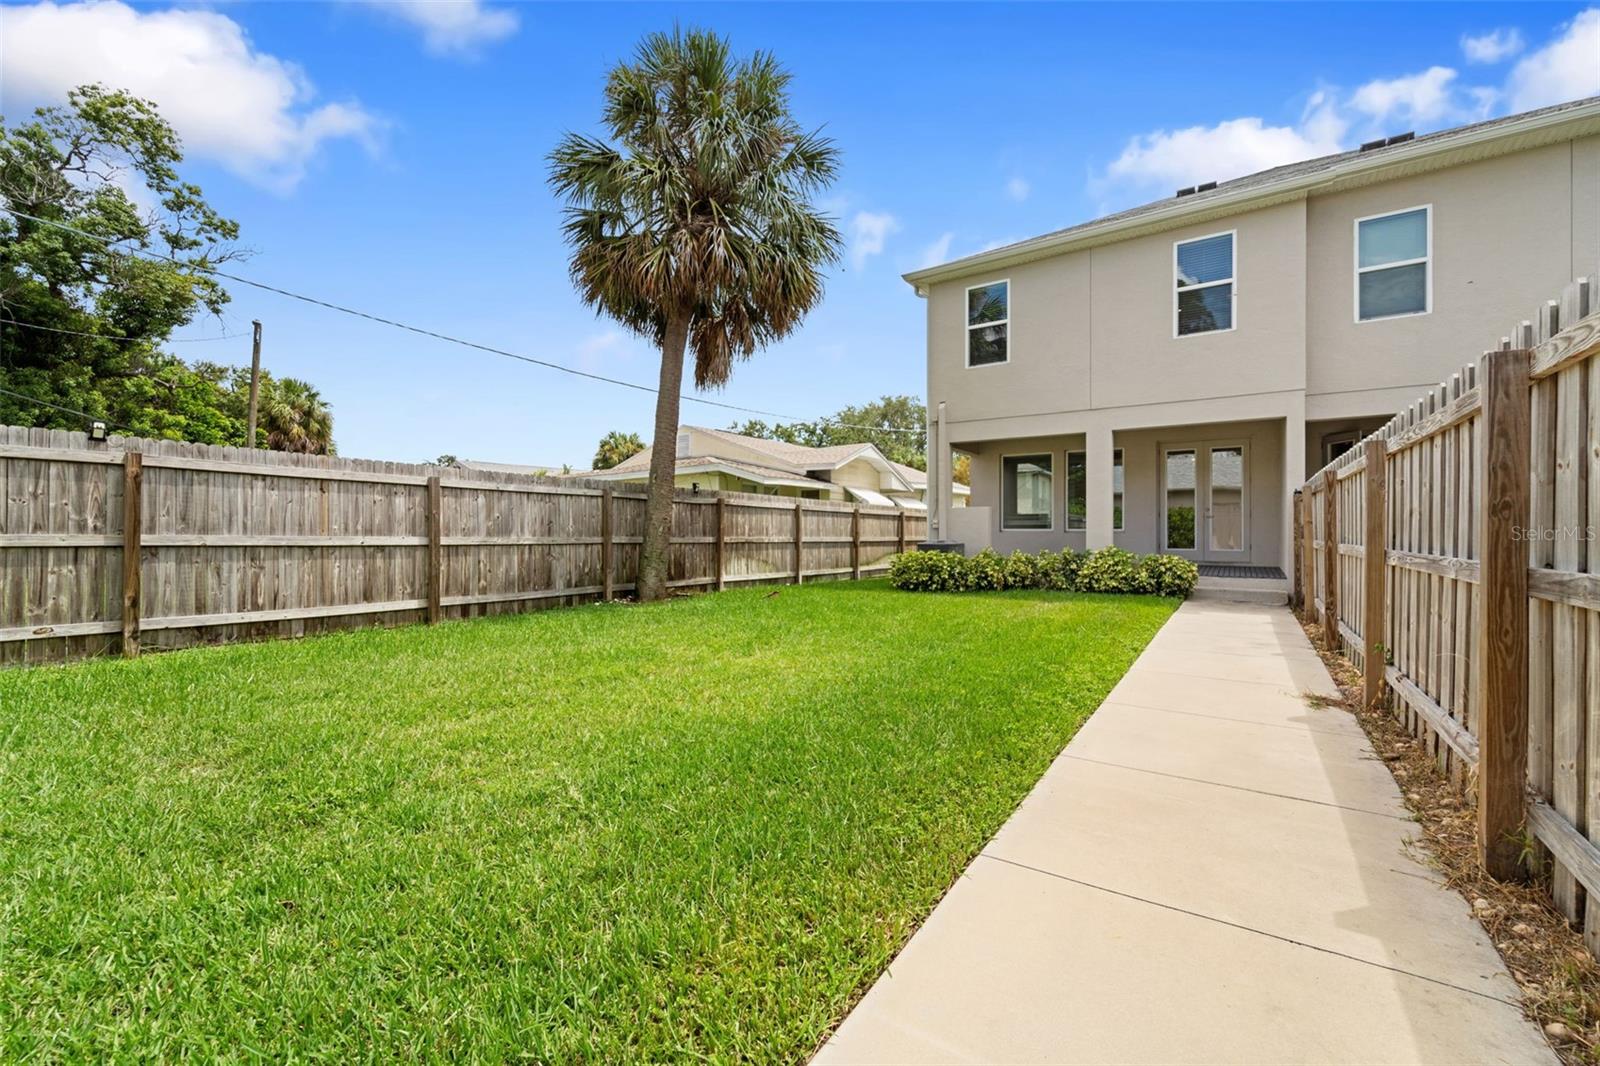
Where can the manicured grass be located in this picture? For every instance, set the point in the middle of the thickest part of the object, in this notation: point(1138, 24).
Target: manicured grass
point(686, 831)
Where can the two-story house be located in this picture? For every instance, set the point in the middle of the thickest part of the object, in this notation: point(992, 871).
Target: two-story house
point(1163, 378)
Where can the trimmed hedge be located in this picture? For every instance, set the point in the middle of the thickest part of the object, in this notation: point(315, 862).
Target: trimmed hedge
point(1112, 570)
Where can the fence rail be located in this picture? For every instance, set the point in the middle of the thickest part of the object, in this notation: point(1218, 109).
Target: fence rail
point(1451, 557)
point(105, 545)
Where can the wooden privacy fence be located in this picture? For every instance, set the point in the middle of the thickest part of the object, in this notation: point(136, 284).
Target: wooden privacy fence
point(106, 545)
point(1452, 557)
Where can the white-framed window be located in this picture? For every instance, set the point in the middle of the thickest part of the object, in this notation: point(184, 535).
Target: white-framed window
point(1394, 264)
point(1203, 272)
point(1026, 500)
point(1078, 490)
point(989, 323)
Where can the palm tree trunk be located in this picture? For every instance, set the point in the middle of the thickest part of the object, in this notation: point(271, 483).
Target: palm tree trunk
point(663, 464)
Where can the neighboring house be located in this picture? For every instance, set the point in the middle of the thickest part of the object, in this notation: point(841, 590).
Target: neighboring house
point(1163, 378)
point(715, 459)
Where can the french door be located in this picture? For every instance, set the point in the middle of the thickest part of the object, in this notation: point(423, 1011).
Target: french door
point(1205, 505)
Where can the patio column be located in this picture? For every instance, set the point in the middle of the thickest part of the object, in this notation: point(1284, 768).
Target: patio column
point(1294, 472)
point(938, 494)
point(1098, 487)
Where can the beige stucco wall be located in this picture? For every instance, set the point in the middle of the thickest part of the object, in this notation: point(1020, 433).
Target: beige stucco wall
point(1141, 456)
point(1508, 234)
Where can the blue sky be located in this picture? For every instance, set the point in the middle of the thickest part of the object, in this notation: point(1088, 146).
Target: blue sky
point(391, 157)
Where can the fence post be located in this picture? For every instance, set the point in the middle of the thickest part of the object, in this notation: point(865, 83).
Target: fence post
point(902, 532)
point(1374, 570)
point(799, 541)
point(1295, 554)
point(1308, 560)
point(1503, 588)
point(435, 547)
point(1330, 558)
point(606, 541)
point(132, 549)
point(855, 544)
point(722, 542)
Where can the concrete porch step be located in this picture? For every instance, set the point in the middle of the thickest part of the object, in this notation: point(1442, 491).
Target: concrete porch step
point(1273, 591)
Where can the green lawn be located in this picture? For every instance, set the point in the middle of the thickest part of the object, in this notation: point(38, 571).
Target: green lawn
point(689, 831)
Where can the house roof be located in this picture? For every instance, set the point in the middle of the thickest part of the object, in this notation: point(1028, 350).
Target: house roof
point(790, 463)
point(918, 479)
point(1430, 151)
point(511, 468)
point(691, 464)
point(834, 455)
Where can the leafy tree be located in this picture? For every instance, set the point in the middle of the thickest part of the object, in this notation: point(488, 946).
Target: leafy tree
point(615, 447)
point(82, 324)
point(447, 460)
point(961, 468)
point(296, 418)
point(695, 227)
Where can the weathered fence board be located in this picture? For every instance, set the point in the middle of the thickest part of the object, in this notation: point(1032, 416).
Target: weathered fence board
point(1484, 535)
point(161, 544)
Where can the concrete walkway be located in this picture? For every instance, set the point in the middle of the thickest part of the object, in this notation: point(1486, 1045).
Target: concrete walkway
point(1213, 871)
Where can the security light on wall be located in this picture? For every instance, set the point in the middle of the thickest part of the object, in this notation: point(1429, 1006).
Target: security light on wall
point(97, 431)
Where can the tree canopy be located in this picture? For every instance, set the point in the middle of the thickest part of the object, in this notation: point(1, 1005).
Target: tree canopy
point(82, 319)
point(615, 447)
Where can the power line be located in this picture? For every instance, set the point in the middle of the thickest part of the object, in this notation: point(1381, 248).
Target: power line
point(421, 331)
point(115, 337)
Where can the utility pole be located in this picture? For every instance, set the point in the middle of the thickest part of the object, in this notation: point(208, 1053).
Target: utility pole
point(255, 382)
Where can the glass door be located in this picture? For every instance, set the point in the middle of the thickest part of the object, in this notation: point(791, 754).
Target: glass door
point(1180, 498)
point(1205, 501)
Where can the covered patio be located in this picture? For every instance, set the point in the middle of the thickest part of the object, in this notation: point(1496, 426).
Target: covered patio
point(1146, 479)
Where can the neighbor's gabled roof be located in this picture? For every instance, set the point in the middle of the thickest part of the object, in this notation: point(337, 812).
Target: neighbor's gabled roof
point(1431, 151)
point(700, 464)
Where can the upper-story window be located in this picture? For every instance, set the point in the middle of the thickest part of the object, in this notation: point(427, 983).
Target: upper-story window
point(1203, 269)
point(1392, 264)
point(989, 324)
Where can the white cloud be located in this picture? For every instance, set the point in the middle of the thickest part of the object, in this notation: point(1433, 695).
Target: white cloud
point(1217, 153)
point(1018, 189)
point(937, 252)
point(452, 27)
point(1334, 121)
point(250, 111)
point(869, 231)
point(1493, 46)
point(1416, 99)
point(1566, 69)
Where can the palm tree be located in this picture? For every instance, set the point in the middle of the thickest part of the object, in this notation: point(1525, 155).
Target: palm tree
point(296, 418)
point(615, 447)
point(696, 228)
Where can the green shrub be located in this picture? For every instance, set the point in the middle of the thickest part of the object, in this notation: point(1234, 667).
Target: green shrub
point(1170, 575)
point(1112, 570)
point(1024, 571)
point(929, 572)
point(986, 571)
point(1107, 570)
